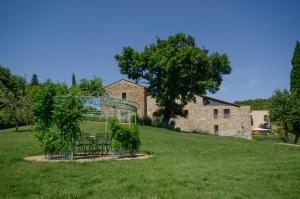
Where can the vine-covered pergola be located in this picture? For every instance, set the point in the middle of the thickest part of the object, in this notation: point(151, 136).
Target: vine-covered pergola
point(99, 108)
point(106, 106)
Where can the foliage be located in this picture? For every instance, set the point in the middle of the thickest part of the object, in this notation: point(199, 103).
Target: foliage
point(295, 117)
point(42, 98)
point(16, 110)
point(176, 70)
point(285, 111)
point(295, 91)
point(68, 111)
point(93, 86)
point(125, 139)
point(256, 104)
point(280, 107)
point(144, 121)
point(74, 83)
point(57, 113)
point(14, 103)
point(295, 73)
point(34, 80)
point(5, 76)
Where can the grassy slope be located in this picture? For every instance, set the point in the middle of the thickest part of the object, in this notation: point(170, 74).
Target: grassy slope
point(184, 166)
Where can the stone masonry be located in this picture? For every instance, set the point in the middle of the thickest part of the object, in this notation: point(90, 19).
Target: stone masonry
point(201, 116)
point(134, 92)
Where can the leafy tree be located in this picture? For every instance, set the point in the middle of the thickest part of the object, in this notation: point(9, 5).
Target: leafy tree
point(281, 107)
point(57, 112)
point(5, 75)
point(42, 98)
point(176, 70)
point(68, 111)
point(16, 110)
point(74, 83)
point(93, 86)
point(15, 106)
point(34, 80)
point(295, 73)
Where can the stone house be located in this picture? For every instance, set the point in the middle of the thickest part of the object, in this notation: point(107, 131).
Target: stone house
point(130, 91)
point(207, 114)
point(211, 115)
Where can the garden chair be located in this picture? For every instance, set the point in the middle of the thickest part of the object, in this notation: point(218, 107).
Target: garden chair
point(86, 144)
point(107, 143)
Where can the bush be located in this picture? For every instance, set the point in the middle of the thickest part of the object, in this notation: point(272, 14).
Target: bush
point(56, 119)
point(125, 140)
point(198, 131)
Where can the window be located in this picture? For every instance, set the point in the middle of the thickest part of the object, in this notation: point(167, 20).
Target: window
point(124, 96)
point(215, 113)
point(216, 129)
point(226, 113)
point(185, 113)
point(266, 118)
point(251, 120)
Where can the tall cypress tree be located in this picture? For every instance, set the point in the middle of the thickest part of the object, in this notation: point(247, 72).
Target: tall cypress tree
point(74, 83)
point(295, 92)
point(34, 80)
point(295, 73)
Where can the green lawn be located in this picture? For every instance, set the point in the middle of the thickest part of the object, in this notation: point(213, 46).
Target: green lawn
point(184, 166)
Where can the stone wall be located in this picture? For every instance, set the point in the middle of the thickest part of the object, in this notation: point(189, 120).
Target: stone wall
point(258, 117)
point(134, 92)
point(201, 118)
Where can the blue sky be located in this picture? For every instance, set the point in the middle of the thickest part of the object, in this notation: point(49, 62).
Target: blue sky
point(55, 38)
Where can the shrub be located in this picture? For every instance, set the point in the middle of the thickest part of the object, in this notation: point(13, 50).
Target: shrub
point(125, 140)
point(199, 131)
point(56, 119)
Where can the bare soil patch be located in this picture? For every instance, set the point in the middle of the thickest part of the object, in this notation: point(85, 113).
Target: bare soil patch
point(89, 158)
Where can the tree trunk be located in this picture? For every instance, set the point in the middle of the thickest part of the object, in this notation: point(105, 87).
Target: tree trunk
point(165, 122)
point(286, 136)
point(296, 138)
point(17, 127)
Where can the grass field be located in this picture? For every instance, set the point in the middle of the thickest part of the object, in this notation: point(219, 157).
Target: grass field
point(184, 166)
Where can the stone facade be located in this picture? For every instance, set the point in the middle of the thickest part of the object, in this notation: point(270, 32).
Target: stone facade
point(132, 92)
point(201, 118)
point(201, 114)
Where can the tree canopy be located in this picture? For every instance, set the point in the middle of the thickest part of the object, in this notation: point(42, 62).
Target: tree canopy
point(14, 104)
point(175, 70)
point(92, 86)
point(295, 73)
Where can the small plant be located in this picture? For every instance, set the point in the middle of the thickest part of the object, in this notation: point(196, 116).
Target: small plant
point(125, 140)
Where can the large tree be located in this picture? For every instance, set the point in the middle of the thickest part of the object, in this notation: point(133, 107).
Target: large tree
point(295, 73)
point(176, 70)
point(281, 110)
point(15, 106)
point(295, 91)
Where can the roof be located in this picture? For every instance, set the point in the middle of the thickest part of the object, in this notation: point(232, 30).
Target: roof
point(126, 81)
point(218, 100)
